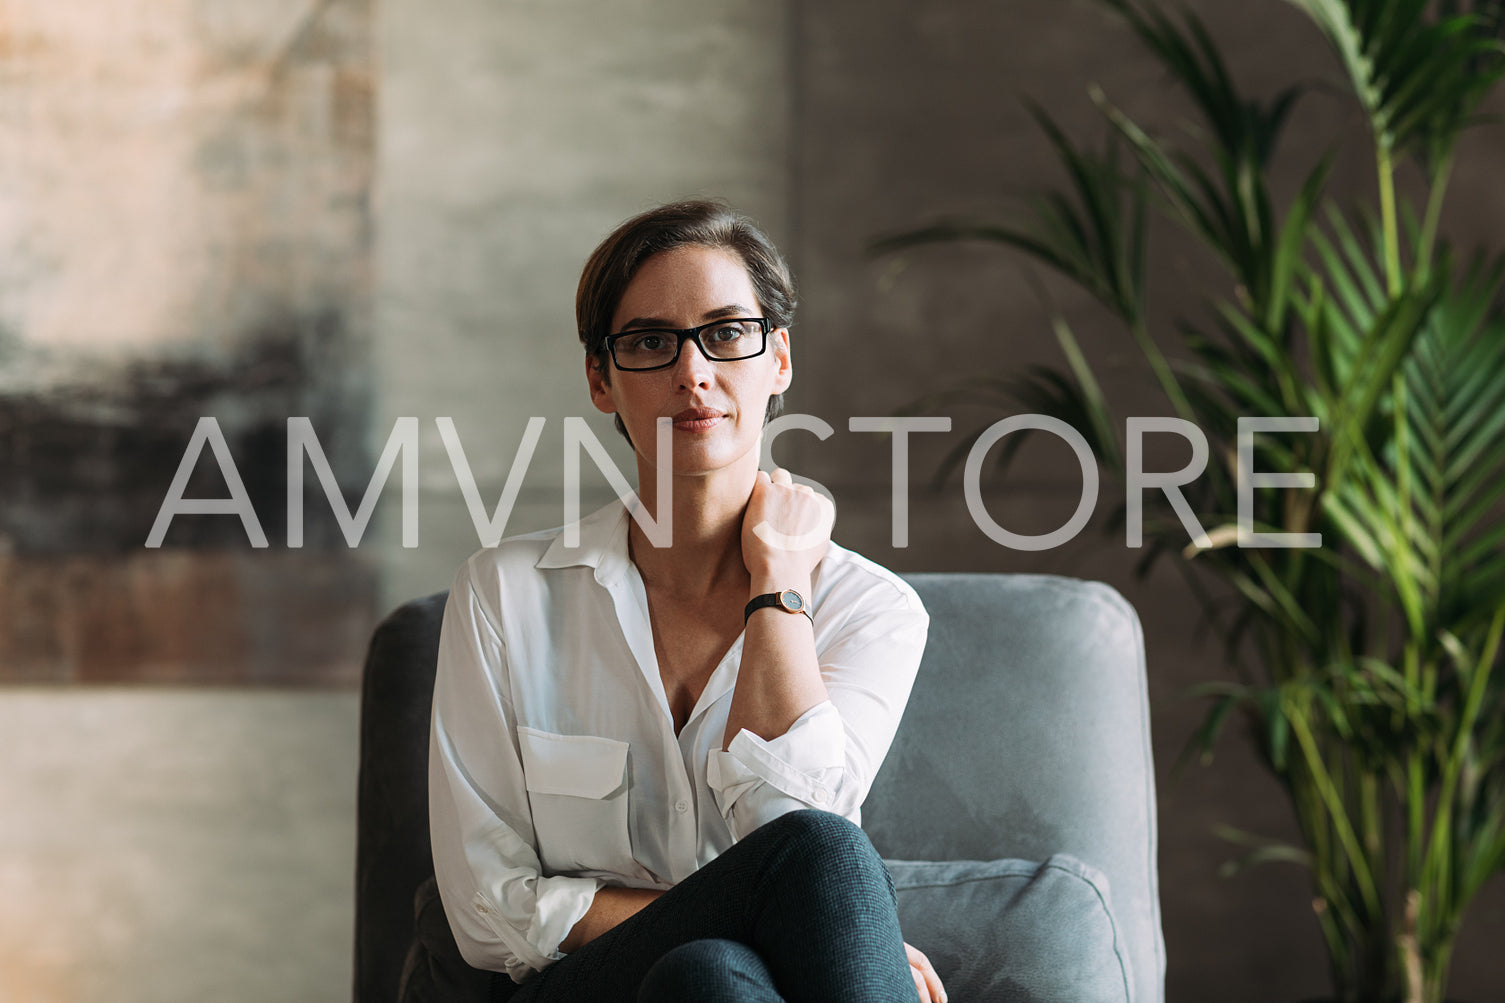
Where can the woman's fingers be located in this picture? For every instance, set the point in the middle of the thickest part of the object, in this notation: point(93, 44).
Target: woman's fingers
point(786, 524)
point(781, 476)
point(919, 985)
point(927, 982)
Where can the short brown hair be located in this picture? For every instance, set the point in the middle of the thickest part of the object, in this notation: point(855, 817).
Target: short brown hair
point(695, 222)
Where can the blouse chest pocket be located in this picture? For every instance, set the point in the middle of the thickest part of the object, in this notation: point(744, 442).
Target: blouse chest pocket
point(577, 789)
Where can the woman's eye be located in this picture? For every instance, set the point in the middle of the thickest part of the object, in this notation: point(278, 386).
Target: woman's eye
point(730, 332)
point(646, 343)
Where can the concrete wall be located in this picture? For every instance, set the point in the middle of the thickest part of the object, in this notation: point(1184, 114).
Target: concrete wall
point(160, 846)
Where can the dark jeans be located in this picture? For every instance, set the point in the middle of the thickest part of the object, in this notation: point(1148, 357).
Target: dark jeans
point(802, 909)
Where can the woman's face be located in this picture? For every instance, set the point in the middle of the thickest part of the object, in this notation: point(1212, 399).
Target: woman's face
point(718, 406)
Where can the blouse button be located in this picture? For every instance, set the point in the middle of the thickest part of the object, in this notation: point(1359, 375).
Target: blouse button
point(819, 797)
point(681, 806)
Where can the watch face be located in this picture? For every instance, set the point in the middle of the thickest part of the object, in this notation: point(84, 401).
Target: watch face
point(792, 600)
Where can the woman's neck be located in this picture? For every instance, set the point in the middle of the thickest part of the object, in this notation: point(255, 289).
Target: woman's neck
point(706, 551)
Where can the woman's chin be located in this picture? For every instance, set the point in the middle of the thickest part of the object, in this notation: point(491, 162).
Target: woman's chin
point(699, 456)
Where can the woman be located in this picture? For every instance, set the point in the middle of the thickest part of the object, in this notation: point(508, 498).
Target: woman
point(647, 762)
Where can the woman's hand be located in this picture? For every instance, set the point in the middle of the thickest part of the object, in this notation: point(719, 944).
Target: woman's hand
point(926, 982)
point(611, 906)
point(786, 528)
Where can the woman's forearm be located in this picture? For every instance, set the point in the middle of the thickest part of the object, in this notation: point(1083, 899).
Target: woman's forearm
point(779, 676)
point(610, 906)
point(786, 531)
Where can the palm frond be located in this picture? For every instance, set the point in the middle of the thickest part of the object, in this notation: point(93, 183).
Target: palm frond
point(1418, 77)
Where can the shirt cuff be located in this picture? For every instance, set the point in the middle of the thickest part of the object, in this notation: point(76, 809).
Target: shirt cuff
point(761, 779)
point(560, 902)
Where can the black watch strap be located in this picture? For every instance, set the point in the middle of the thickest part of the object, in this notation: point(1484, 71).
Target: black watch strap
point(788, 600)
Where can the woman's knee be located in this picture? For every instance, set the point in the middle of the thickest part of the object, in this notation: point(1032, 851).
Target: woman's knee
point(819, 826)
point(708, 971)
point(827, 841)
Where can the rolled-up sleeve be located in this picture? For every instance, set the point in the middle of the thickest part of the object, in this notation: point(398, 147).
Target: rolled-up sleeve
point(505, 913)
point(829, 756)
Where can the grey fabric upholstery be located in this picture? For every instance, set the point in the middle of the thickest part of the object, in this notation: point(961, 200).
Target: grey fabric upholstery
point(997, 931)
point(1027, 735)
point(392, 852)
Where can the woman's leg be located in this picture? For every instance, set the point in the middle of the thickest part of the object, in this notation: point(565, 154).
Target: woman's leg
point(807, 892)
point(709, 971)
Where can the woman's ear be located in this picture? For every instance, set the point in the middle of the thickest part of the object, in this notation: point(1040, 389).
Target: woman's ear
point(785, 374)
point(600, 384)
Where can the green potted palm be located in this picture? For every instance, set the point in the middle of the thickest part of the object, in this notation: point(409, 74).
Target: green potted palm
point(1375, 690)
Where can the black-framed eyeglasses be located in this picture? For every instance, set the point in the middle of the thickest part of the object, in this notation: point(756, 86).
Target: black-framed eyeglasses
point(642, 349)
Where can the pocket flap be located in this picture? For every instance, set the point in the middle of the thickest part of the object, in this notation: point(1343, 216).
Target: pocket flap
point(584, 766)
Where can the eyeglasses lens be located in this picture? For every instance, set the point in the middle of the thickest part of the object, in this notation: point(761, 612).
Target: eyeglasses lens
point(725, 342)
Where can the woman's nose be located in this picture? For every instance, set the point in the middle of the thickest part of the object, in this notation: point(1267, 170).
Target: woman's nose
point(692, 368)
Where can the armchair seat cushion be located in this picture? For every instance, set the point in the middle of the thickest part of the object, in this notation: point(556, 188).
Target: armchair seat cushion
point(1015, 931)
point(997, 931)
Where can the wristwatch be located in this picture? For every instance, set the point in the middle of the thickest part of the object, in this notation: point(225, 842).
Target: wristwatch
point(788, 600)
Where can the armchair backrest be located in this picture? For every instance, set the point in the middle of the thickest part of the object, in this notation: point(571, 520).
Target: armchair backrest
point(392, 851)
point(1027, 734)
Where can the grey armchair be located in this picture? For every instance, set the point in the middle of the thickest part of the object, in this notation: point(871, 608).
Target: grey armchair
point(1026, 739)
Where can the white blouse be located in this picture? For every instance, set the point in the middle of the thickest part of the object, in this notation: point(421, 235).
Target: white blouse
point(554, 769)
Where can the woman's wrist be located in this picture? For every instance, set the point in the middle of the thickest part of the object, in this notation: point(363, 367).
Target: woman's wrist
point(777, 580)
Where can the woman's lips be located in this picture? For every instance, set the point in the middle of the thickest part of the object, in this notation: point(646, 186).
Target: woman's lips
point(697, 424)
